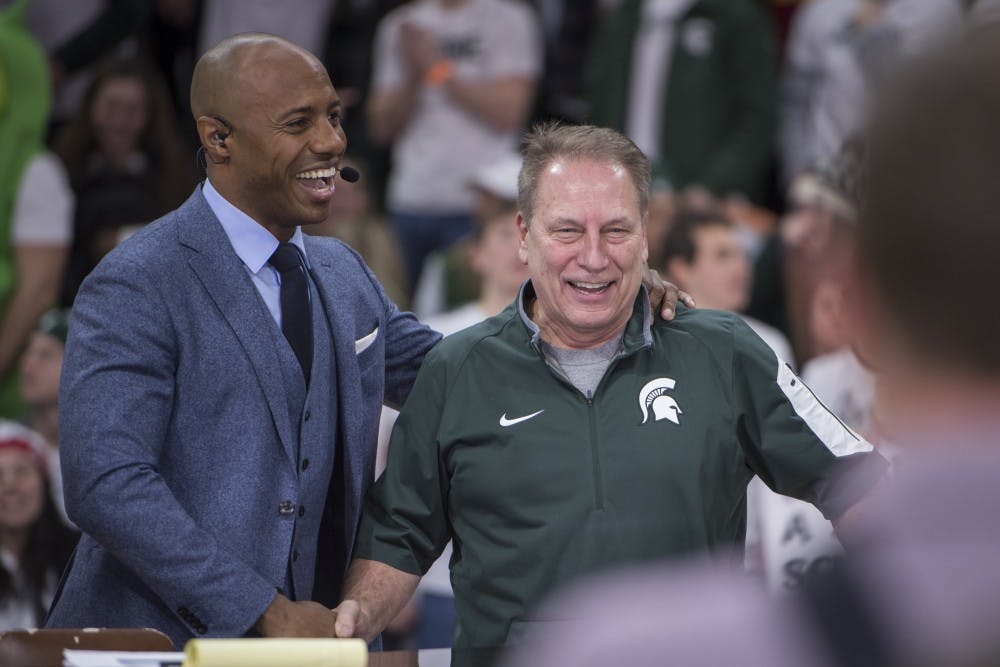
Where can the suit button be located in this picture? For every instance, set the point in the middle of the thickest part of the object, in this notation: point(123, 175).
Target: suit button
point(201, 629)
point(302, 511)
point(286, 507)
point(305, 464)
point(295, 556)
point(307, 416)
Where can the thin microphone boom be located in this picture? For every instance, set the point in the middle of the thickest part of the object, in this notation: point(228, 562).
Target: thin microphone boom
point(350, 174)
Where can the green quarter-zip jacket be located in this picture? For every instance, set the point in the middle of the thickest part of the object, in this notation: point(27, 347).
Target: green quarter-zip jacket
point(538, 484)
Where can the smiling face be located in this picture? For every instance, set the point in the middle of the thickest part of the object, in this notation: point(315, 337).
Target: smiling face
point(286, 139)
point(22, 489)
point(41, 365)
point(719, 276)
point(495, 254)
point(119, 115)
point(585, 248)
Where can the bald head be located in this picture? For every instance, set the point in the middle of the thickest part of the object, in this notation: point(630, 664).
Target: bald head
point(220, 76)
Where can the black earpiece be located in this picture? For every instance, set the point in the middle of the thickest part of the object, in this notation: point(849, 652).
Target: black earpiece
point(220, 136)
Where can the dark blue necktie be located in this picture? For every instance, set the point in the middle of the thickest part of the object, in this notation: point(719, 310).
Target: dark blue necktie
point(296, 317)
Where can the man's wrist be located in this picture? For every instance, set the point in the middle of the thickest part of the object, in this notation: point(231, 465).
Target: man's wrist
point(274, 616)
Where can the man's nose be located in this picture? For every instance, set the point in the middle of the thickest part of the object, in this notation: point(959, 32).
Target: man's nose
point(593, 254)
point(329, 139)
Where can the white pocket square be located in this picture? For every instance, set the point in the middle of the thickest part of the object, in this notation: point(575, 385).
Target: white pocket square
point(362, 344)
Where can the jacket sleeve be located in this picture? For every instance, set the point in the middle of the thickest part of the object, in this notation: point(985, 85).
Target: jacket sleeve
point(116, 401)
point(404, 523)
point(791, 440)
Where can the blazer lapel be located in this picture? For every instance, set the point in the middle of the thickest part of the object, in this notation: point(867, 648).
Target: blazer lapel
point(225, 279)
point(348, 382)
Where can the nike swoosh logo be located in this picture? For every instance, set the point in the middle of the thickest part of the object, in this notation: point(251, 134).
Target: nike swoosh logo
point(510, 422)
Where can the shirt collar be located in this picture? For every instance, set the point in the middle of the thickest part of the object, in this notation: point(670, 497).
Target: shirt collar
point(253, 244)
point(638, 332)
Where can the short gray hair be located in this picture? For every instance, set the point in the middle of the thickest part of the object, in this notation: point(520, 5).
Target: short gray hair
point(551, 141)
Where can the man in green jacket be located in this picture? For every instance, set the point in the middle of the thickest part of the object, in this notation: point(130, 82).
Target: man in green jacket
point(571, 433)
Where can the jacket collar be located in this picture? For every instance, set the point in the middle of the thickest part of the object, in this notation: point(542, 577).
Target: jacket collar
point(638, 330)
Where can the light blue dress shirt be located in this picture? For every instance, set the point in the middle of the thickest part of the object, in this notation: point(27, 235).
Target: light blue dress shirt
point(254, 245)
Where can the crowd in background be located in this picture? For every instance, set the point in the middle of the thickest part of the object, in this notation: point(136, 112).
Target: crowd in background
point(747, 108)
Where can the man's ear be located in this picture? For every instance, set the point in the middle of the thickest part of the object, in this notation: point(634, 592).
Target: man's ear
point(522, 243)
point(213, 132)
point(645, 239)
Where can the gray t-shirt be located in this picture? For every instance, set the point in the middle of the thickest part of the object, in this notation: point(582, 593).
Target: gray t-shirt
point(583, 368)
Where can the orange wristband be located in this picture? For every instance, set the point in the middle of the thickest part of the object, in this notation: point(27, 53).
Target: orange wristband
point(440, 72)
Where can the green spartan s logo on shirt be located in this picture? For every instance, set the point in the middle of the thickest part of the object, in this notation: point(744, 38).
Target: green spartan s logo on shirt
point(653, 396)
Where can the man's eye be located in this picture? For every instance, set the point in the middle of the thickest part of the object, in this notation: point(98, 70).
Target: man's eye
point(298, 123)
point(335, 119)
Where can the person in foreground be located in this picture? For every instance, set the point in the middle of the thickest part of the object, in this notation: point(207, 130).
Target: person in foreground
point(224, 374)
point(571, 432)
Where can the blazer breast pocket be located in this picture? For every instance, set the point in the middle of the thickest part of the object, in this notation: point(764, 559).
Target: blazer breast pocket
point(367, 352)
point(365, 342)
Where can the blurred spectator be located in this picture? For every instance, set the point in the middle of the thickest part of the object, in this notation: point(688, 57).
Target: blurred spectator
point(172, 46)
point(681, 615)
point(704, 255)
point(493, 256)
point(926, 570)
point(305, 23)
point(567, 27)
point(353, 221)
point(79, 34)
point(839, 51)
point(693, 83)
point(453, 83)
point(35, 200)
point(125, 161)
point(34, 544)
point(789, 542)
point(835, 373)
point(449, 279)
point(41, 366)
point(660, 216)
point(983, 12)
point(815, 240)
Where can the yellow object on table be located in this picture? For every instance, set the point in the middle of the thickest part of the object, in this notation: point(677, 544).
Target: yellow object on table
point(276, 653)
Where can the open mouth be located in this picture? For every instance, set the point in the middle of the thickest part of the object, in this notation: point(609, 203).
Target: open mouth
point(590, 289)
point(318, 181)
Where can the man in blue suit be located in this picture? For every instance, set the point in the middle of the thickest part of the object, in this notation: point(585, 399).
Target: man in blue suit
point(210, 416)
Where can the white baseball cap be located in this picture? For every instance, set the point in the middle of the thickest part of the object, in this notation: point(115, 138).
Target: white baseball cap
point(499, 178)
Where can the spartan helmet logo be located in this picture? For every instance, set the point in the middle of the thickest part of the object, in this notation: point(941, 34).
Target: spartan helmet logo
point(654, 395)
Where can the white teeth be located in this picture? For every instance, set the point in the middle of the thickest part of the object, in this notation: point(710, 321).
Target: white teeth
point(590, 285)
point(317, 173)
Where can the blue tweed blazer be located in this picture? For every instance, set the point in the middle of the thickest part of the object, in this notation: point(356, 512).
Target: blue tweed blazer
point(178, 447)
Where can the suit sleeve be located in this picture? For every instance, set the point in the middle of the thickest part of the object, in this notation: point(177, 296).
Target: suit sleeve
point(404, 523)
point(791, 440)
point(116, 401)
